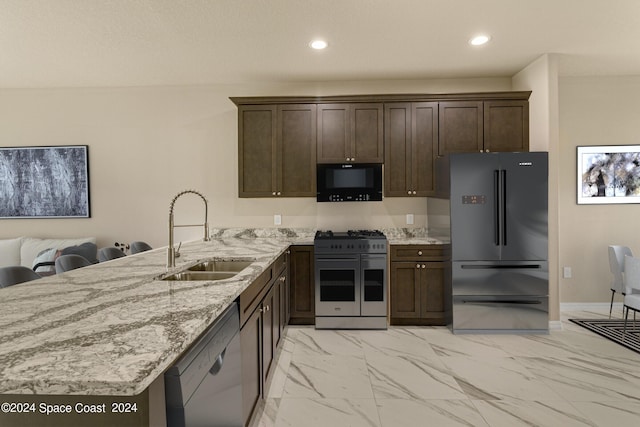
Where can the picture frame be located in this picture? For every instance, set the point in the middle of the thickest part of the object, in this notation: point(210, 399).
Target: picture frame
point(608, 174)
point(44, 182)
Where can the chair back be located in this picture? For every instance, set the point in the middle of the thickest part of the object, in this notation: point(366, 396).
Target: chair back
point(632, 274)
point(109, 253)
point(15, 274)
point(87, 250)
point(139, 247)
point(616, 265)
point(70, 262)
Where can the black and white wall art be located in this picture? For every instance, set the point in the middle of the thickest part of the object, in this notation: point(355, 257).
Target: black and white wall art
point(609, 174)
point(50, 182)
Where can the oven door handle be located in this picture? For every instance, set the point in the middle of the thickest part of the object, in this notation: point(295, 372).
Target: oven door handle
point(334, 258)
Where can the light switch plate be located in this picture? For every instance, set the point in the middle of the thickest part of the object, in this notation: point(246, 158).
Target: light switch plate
point(277, 219)
point(409, 219)
point(566, 272)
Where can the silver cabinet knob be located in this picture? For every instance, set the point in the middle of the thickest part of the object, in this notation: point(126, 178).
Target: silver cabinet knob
point(279, 193)
point(353, 159)
point(417, 265)
point(414, 192)
point(420, 253)
point(424, 266)
point(409, 192)
point(273, 194)
point(347, 159)
point(486, 151)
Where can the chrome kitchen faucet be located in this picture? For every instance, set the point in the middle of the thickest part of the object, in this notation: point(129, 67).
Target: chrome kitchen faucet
point(172, 253)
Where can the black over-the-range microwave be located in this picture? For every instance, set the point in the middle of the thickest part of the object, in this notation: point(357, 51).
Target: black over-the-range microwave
point(349, 182)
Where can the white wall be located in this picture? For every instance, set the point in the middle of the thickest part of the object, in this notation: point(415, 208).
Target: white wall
point(594, 111)
point(541, 77)
point(147, 144)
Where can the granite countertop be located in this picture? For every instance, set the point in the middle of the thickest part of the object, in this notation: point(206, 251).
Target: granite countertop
point(113, 328)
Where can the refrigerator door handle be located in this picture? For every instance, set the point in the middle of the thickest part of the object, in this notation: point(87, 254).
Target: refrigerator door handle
point(496, 206)
point(503, 301)
point(503, 198)
point(501, 266)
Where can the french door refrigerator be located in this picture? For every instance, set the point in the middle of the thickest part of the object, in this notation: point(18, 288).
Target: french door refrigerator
point(498, 217)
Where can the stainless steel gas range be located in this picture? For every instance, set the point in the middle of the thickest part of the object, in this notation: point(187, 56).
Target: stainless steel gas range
point(351, 279)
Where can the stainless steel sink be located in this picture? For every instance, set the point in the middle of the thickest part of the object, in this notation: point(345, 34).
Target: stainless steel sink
point(221, 266)
point(210, 270)
point(200, 275)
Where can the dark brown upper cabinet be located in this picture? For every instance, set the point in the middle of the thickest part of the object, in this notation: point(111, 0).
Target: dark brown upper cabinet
point(483, 126)
point(506, 126)
point(277, 150)
point(461, 127)
point(281, 138)
point(350, 132)
point(410, 144)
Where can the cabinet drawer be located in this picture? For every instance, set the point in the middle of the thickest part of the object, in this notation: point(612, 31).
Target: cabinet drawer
point(419, 252)
point(279, 264)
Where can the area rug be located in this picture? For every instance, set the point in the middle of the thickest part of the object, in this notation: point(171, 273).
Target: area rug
point(612, 329)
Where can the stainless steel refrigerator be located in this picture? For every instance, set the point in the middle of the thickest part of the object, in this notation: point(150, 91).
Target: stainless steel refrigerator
point(498, 206)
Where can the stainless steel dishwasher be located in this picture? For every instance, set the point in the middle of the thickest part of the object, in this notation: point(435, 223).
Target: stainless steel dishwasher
point(204, 388)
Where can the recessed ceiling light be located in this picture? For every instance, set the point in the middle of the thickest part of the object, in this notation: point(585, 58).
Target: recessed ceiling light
point(318, 44)
point(479, 40)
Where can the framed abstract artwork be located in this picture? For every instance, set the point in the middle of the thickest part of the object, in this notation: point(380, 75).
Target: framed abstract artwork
point(608, 174)
point(44, 182)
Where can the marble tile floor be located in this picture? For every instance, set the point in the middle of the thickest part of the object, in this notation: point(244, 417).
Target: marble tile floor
point(426, 376)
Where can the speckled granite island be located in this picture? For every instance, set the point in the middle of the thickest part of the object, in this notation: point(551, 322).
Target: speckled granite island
point(112, 329)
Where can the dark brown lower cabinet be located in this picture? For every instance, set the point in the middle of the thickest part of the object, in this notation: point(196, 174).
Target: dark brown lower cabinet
point(250, 343)
point(302, 285)
point(418, 277)
point(261, 333)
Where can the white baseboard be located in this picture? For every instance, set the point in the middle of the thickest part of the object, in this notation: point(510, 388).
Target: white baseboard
point(589, 306)
point(555, 325)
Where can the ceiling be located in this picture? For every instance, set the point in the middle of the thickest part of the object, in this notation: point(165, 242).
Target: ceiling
point(97, 43)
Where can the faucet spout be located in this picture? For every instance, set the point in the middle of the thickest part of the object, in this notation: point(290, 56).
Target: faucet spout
point(171, 252)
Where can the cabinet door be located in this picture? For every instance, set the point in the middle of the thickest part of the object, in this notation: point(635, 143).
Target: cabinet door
point(432, 290)
point(397, 150)
point(256, 150)
point(506, 126)
point(276, 310)
point(302, 286)
point(405, 290)
point(251, 346)
point(461, 127)
point(411, 136)
point(367, 137)
point(424, 117)
point(333, 133)
point(268, 323)
point(296, 150)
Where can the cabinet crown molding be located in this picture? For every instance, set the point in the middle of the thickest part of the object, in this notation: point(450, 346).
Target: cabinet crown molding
point(403, 97)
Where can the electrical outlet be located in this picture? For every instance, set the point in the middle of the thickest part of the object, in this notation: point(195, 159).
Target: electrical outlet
point(566, 272)
point(409, 219)
point(277, 219)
